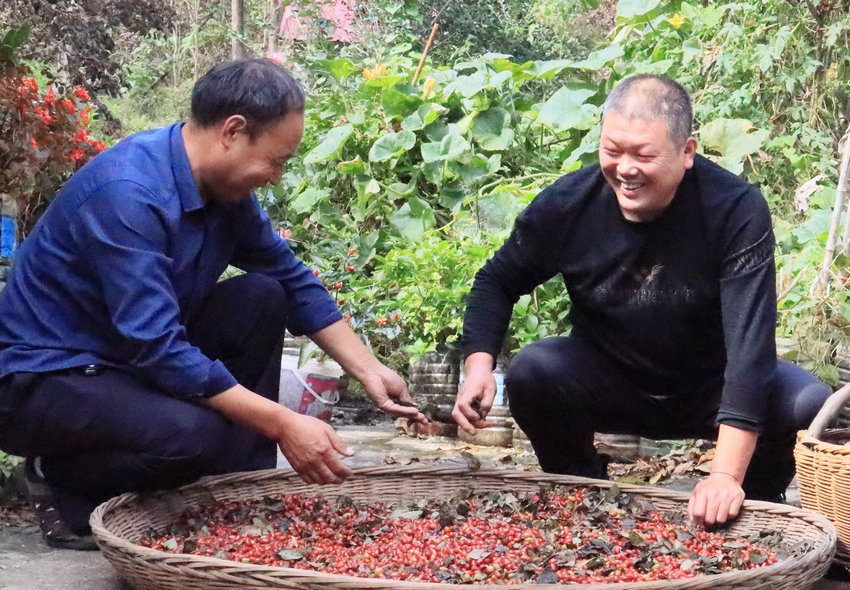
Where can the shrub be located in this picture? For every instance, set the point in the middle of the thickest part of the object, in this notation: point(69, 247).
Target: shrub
point(44, 138)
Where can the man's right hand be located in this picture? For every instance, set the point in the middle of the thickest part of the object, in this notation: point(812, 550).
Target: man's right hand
point(476, 395)
point(314, 450)
point(312, 447)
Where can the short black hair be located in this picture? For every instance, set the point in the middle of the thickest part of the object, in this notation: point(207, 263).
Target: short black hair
point(650, 96)
point(259, 89)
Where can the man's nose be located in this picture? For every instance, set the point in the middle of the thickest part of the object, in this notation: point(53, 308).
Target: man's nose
point(626, 166)
point(276, 177)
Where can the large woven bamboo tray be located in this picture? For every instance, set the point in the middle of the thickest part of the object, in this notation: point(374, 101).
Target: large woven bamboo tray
point(823, 469)
point(120, 521)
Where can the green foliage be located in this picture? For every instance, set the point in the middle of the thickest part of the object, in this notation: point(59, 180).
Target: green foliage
point(44, 137)
point(524, 29)
point(78, 38)
point(8, 463)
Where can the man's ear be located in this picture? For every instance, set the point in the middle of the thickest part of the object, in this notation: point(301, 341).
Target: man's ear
point(231, 129)
point(690, 151)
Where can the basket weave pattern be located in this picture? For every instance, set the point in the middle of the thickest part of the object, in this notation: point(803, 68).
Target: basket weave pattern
point(122, 520)
point(823, 469)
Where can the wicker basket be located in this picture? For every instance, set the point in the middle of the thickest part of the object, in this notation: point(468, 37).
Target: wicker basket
point(823, 469)
point(121, 520)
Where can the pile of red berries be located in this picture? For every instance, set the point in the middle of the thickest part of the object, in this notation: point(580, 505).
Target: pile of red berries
point(560, 535)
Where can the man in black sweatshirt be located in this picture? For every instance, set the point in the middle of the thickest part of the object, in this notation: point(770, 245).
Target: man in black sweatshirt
point(668, 262)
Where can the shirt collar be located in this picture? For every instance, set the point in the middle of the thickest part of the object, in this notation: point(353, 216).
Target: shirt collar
point(187, 188)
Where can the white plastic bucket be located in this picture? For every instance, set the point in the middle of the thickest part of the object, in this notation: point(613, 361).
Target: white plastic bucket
point(310, 390)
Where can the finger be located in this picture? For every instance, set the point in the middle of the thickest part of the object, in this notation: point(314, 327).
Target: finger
point(461, 420)
point(307, 477)
point(333, 470)
point(696, 508)
point(711, 511)
point(325, 475)
point(722, 512)
point(339, 445)
point(735, 507)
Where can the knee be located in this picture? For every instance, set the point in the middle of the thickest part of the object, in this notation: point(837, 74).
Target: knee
point(528, 367)
point(810, 400)
point(799, 395)
point(261, 288)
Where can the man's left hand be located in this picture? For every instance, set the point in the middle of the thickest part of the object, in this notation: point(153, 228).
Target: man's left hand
point(389, 392)
point(716, 499)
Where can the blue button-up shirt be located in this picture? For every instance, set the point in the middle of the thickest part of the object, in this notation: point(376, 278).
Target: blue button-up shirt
point(123, 258)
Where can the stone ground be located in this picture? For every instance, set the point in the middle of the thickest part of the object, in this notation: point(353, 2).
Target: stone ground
point(27, 564)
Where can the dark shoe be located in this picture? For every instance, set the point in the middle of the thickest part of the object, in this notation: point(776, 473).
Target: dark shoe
point(55, 531)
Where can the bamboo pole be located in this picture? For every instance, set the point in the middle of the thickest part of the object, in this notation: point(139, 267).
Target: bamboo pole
point(822, 284)
point(424, 54)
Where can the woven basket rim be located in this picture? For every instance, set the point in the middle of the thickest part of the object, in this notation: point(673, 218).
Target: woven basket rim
point(823, 544)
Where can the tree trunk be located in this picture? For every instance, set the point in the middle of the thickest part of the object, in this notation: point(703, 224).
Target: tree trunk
point(237, 26)
point(277, 17)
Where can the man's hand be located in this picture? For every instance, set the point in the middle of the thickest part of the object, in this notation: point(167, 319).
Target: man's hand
point(476, 395)
point(716, 499)
point(314, 450)
point(389, 392)
point(311, 446)
point(384, 386)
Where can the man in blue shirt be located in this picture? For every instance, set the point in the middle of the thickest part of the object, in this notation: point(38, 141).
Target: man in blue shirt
point(125, 364)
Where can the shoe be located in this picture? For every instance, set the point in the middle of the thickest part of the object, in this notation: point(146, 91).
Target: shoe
point(55, 531)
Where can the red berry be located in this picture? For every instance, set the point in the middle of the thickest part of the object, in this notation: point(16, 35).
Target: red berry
point(351, 251)
point(350, 268)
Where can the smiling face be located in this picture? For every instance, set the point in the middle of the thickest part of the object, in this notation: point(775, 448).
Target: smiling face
point(247, 163)
point(642, 164)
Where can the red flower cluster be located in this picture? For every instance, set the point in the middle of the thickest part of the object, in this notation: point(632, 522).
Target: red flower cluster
point(47, 138)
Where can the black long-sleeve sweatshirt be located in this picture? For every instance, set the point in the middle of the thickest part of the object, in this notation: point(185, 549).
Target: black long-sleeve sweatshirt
point(688, 297)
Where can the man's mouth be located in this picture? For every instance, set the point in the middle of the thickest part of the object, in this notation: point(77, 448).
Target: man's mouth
point(630, 186)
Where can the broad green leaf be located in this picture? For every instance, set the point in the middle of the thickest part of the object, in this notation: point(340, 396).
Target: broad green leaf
point(391, 146)
point(496, 80)
point(568, 109)
point(468, 86)
point(413, 219)
point(330, 146)
point(452, 195)
point(355, 166)
point(398, 189)
point(338, 68)
point(372, 187)
point(424, 115)
point(498, 143)
point(548, 68)
point(732, 138)
point(596, 60)
point(452, 147)
point(475, 169)
point(307, 200)
point(490, 122)
point(436, 131)
point(627, 9)
point(494, 163)
point(400, 100)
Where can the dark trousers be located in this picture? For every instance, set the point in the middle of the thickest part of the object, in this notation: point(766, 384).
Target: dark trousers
point(109, 433)
point(562, 390)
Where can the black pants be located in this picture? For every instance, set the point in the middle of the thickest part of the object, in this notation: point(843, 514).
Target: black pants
point(562, 390)
point(106, 434)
